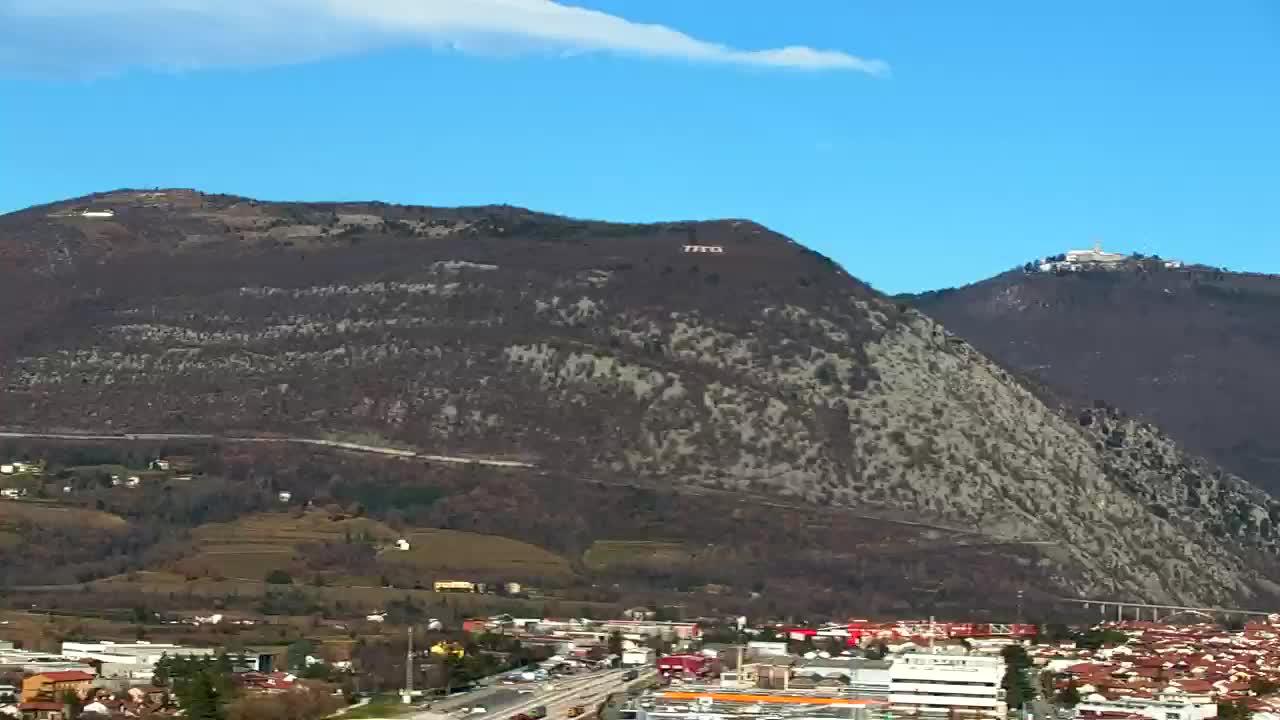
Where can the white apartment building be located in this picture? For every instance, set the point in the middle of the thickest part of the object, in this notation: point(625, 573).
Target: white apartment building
point(638, 657)
point(947, 684)
point(1154, 709)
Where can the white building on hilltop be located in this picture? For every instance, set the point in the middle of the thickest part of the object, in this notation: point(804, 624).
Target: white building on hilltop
point(1095, 256)
point(1077, 260)
point(956, 685)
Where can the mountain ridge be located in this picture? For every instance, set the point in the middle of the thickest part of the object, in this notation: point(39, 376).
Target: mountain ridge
point(608, 351)
point(1193, 348)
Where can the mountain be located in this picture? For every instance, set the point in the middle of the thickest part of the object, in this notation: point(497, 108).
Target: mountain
point(1194, 349)
point(704, 383)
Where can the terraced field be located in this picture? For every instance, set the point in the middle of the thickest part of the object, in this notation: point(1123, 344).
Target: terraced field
point(15, 513)
point(463, 551)
point(275, 530)
point(253, 547)
point(622, 554)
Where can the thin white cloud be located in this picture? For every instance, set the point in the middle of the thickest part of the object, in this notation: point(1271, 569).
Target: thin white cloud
point(94, 36)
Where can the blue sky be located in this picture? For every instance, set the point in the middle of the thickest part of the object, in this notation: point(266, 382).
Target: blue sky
point(922, 144)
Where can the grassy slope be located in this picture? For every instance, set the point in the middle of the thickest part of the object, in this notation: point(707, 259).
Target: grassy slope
point(14, 513)
point(251, 547)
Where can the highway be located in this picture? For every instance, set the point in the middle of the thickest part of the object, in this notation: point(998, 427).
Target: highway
point(503, 702)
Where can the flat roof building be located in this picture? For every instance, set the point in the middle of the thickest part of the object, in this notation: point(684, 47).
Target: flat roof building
point(947, 684)
point(858, 677)
point(1148, 708)
point(136, 660)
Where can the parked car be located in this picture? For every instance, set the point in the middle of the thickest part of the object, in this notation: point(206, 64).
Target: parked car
point(576, 710)
point(538, 713)
point(630, 675)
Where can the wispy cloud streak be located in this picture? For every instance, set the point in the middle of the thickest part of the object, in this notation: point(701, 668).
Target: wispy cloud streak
point(95, 36)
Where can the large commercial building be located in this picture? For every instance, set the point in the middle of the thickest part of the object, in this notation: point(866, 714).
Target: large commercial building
point(957, 686)
point(132, 661)
point(24, 661)
point(858, 677)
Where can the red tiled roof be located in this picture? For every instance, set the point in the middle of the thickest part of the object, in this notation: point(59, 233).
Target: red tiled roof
point(1194, 686)
point(67, 676)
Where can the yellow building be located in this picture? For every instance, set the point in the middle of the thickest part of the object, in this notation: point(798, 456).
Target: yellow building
point(444, 647)
point(53, 685)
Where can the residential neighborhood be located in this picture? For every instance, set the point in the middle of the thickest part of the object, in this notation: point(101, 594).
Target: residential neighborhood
point(293, 633)
point(1127, 670)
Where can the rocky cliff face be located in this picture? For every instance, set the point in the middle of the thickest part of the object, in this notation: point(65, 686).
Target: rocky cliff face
point(599, 351)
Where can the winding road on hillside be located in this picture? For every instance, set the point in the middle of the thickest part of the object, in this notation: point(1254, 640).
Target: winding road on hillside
point(397, 452)
point(284, 440)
